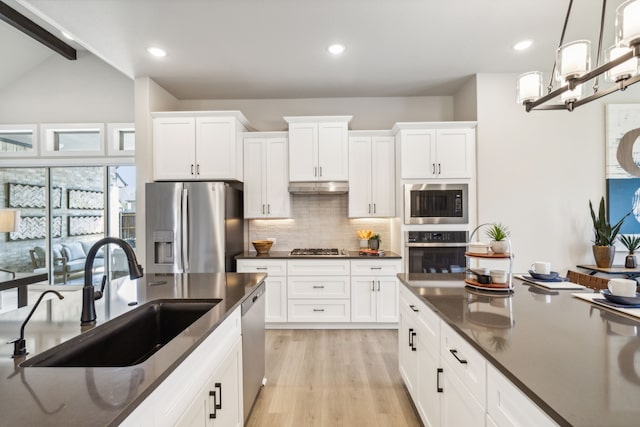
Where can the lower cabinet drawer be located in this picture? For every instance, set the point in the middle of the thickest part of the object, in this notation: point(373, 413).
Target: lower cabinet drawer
point(319, 287)
point(465, 361)
point(319, 310)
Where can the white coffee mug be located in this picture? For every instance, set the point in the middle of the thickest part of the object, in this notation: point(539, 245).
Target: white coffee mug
point(541, 267)
point(622, 287)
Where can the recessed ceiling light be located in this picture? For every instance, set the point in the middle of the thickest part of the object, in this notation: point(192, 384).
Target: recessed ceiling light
point(156, 51)
point(523, 45)
point(67, 35)
point(336, 49)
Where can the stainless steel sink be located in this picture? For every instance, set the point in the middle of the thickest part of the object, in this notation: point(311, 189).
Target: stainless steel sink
point(128, 339)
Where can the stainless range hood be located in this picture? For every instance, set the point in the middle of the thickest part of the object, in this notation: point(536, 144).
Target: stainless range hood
point(313, 187)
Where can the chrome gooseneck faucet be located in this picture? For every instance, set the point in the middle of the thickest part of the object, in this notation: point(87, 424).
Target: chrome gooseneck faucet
point(89, 294)
point(19, 344)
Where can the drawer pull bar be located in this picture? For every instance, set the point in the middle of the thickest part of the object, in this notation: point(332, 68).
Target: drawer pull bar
point(219, 387)
point(318, 309)
point(376, 268)
point(410, 336)
point(212, 415)
point(318, 286)
point(413, 307)
point(455, 354)
point(373, 284)
point(438, 388)
point(261, 268)
point(378, 285)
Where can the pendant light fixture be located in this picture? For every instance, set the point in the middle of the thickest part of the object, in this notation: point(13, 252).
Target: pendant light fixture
point(572, 67)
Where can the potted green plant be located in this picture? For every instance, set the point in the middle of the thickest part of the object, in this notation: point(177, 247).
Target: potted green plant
point(631, 243)
point(605, 235)
point(498, 233)
point(374, 242)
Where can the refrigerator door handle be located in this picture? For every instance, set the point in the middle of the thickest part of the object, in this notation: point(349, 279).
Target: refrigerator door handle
point(184, 222)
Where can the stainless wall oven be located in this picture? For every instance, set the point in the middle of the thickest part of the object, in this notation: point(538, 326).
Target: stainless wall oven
point(436, 204)
point(438, 255)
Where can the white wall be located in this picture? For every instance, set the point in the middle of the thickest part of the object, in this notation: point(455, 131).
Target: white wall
point(368, 113)
point(62, 91)
point(537, 172)
point(149, 97)
point(465, 102)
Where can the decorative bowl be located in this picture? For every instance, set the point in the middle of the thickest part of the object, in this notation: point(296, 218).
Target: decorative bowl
point(262, 246)
point(539, 276)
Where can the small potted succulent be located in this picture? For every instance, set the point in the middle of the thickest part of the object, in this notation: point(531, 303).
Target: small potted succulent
point(498, 234)
point(374, 242)
point(632, 243)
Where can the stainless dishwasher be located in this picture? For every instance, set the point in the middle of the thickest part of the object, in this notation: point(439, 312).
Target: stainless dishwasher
point(253, 347)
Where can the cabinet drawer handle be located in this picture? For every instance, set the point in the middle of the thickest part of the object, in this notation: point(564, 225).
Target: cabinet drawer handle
point(192, 169)
point(219, 387)
point(213, 414)
point(318, 309)
point(455, 354)
point(413, 307)
point(315, 171)
point(374, 208)
point(438, 388)
point(373, 286)
point(198, 169)
point(262, 268)
point(263, 209)
point(320, 170)
point(439, 169)
point(433, 168)
point(411, 337)
point(318, 286)
point(413, 343)
point(378, 285)
point(268, 208)
point(375, 268)
point(369, 207)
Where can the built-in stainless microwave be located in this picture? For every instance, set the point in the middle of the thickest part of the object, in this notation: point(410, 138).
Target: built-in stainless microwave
point(436, 204)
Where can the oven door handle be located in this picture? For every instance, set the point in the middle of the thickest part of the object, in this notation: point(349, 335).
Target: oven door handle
point(435, 245)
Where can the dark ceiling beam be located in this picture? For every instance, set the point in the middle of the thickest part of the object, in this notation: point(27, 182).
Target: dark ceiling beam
point(35, 31)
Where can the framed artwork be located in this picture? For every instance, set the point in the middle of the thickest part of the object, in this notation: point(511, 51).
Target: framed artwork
point(622, 167)
point(35, 227)
point(85, 199)
point(81, 225)
point(33, 196)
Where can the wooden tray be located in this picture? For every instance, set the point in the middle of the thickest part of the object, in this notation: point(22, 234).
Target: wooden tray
point(488, 255)
point(490, 286)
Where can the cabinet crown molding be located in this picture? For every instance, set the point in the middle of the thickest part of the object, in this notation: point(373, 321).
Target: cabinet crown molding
point(228, 113)
point(432, 125)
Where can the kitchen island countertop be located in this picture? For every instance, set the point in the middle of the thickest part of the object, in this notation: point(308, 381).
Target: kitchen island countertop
point(579, 362)
point(104, 396)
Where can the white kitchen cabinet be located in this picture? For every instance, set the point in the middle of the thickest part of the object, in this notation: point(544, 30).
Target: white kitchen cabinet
point(275, 285)
point(508, 406)
point(371, 176)
point(198, 145)
point(318, 148)
point(184, 393)
point(266, 176)
point(374, 291)
point(219, 402)
point(318, 291)
point(433, 151)
point(459, 407)
point(408, 352)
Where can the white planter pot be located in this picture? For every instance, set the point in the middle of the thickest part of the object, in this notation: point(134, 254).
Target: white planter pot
point(499, 247)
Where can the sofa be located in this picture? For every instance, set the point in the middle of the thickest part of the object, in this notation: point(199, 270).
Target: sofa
point(68, 258)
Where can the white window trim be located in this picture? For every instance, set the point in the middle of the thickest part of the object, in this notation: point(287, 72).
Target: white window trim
point(48, 131)
point(33, 128)
point(113, 132)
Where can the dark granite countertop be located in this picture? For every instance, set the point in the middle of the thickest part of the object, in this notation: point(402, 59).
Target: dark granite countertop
point(36, 396)
point(579, 362)
point(350, 254)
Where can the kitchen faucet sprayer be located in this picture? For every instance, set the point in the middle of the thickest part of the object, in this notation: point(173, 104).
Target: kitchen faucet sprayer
point(19, 344)
point(89, 294)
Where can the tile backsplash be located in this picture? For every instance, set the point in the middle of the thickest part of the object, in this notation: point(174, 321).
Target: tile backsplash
point(318, 221)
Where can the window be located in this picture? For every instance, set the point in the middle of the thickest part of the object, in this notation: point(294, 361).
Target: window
point(122, 139)
point(18, 140)
point(86, 139)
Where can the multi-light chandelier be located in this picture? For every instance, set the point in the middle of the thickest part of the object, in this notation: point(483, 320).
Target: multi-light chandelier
point(572, 67)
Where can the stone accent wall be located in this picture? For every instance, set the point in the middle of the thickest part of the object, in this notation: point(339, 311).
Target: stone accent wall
point(318, 221)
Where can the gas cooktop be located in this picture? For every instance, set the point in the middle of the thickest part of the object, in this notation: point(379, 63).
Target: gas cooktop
point(317, 252)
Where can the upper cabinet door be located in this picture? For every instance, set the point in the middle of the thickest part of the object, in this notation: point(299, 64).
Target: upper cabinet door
point(333, 152)
point(216, 150)
point(254, 178)
point(174, 148)
point(383, 176)
point(455, 153)
point(360, 203)
point(417, 153)
point(303, 152)
point(277, 178)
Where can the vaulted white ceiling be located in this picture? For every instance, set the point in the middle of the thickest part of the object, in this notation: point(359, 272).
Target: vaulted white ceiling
point(220, 49)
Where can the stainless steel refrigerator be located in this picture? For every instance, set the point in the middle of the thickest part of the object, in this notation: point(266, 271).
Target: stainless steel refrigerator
point(193, 227)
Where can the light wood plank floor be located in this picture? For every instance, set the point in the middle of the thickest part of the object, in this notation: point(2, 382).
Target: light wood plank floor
point(332, 378)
